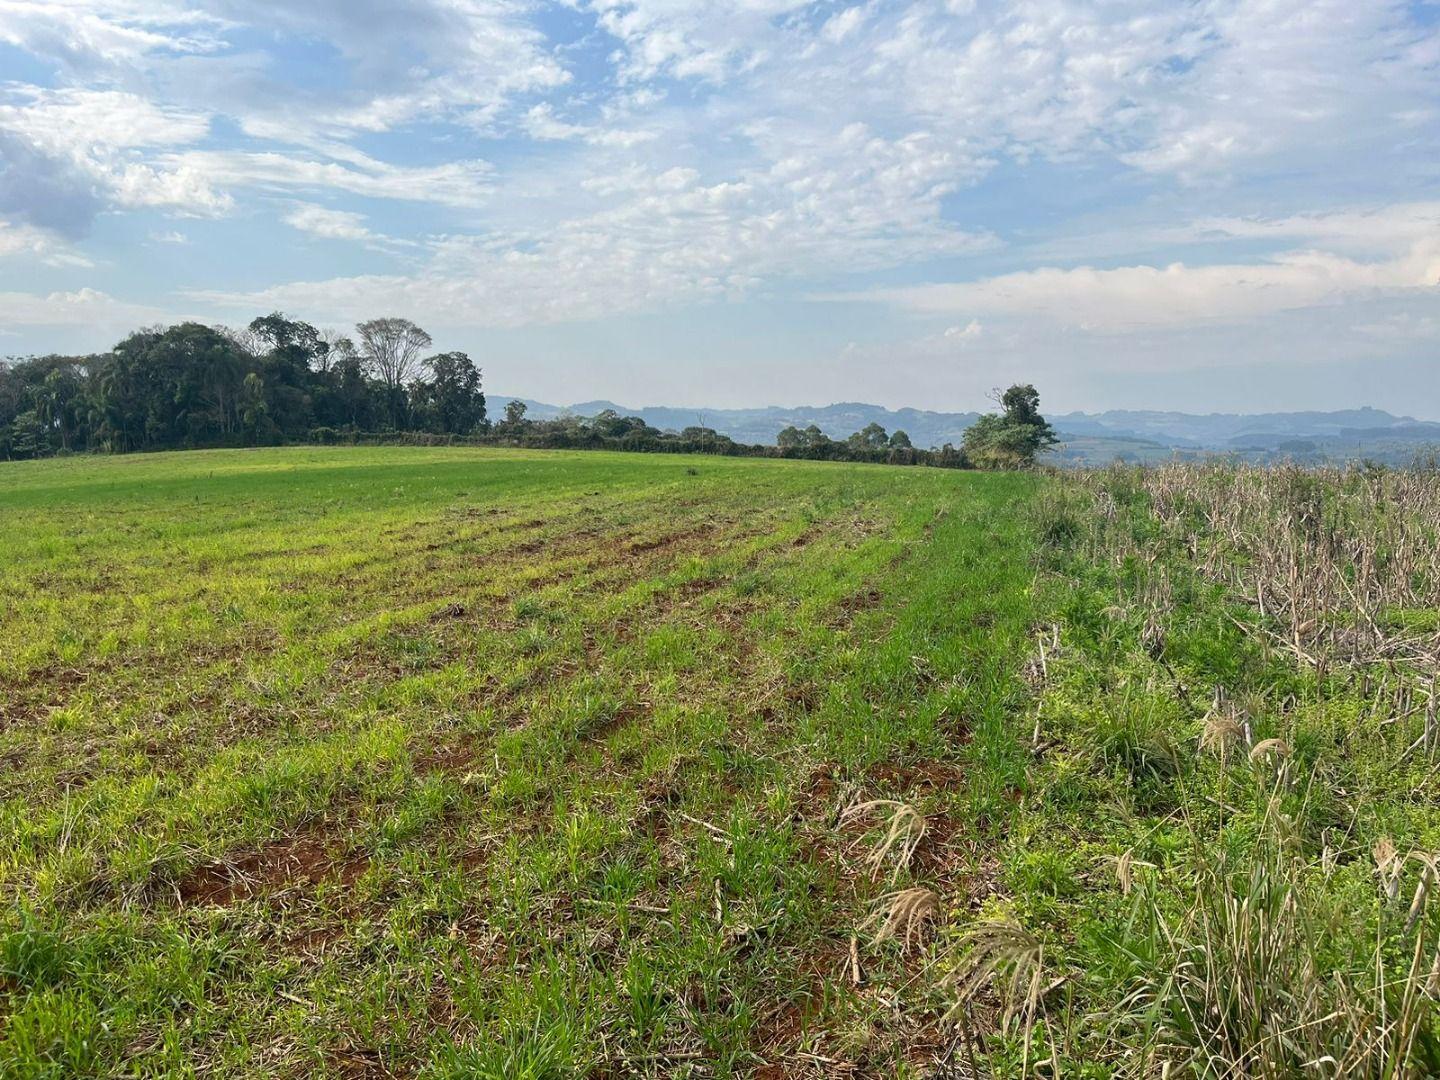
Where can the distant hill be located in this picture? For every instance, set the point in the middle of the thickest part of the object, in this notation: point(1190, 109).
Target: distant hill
point(1090, 438)
point(1216, 430)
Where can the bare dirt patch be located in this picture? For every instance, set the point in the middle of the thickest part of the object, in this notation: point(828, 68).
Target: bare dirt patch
point(669, 540)
point(302, 861)
point(915, 777)
point(452, 757)
point(853, 606)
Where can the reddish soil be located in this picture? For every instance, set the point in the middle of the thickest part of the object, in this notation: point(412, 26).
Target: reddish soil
point(297, 861)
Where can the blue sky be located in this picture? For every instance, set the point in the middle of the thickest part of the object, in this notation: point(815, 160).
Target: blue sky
point(1222, 205)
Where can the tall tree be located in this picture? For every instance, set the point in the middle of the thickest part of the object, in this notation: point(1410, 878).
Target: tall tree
point(292, 369)
point(391, 349)
point(170, 386)
point(59, 398)
point(278, 331)
point(337, 349)
point(451, 399)
point(353, 401)
point(254, 413)
point(515, 410)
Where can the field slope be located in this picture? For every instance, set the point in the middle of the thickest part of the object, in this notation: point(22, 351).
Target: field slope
point(485, 763)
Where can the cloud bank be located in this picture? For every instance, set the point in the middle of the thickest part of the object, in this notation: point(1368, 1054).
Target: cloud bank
point(505, 169)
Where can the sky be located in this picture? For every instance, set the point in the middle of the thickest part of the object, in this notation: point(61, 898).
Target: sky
point(1220, 205)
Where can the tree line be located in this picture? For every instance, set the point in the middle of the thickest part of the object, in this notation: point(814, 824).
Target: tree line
point(277, 380)
point(281, 380)
point(610, 430)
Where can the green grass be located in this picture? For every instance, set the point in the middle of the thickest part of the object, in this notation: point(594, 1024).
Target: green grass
point(468, 763)
point(479, 763)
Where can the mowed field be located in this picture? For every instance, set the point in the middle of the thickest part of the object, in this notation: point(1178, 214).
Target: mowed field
point(454, 762)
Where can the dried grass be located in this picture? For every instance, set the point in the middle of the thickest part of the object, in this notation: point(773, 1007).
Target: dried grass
point(904, 828)
point(1342, 566)
point(903, 915)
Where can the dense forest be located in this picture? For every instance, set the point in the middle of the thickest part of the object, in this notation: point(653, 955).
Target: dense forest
point(281, 380)
point(278, 380)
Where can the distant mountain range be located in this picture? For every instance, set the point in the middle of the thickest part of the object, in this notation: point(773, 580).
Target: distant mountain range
point(1089, 438)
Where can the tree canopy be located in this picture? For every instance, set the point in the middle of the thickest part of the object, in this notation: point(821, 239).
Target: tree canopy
point(1013, 438)
point(277, 380)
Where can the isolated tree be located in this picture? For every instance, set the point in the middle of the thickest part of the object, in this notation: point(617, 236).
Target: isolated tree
point(1011, 439)
point(1022, 406)
point(391, 349)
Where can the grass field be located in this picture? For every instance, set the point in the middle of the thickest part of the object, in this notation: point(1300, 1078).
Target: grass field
point(503, 764)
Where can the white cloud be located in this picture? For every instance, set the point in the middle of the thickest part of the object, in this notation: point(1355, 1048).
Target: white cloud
point(666, 238)
point(17, 240)
point(1175, 295)
point(1356, 253)
point(77, 121)
point(1390, 228)
point(92, 135)
point(80, 307)
point(455, 183)
point(840, 26)
point(709, 40)
point(91, 35)
point(327, 223)
point(542, 123)
point(411, 58)
point(416, 59)
point(345, 225)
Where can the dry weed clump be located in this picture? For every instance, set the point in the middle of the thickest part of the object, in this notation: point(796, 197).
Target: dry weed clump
point(904, 827)
point(1285, 935)
point(1342, 565)
point(1246, 980)
point(999, 957)
point(903, 915)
